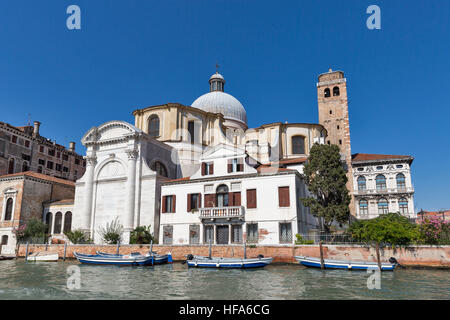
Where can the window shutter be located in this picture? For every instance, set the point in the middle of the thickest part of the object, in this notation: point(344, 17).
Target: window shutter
point(240, 165)
point(211, 168)
point(251, 198)
point(174, 202)
point(203, 168)
point(164, 204)
point(230, 199)
point(189, 204)
point(237, 199)
point(283, 197)
point(209, 200)
point(230, 166)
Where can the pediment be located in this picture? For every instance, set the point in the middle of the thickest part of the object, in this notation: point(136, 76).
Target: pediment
point(109, 131)
point(223, 151)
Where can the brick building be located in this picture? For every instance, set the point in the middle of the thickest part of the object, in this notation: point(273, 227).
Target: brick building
point(24, 149)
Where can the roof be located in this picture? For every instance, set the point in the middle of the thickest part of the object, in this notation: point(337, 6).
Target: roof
point(59, 202)
point(290, 161)
point(272, 169)
point(39, 176)
point(181, 179)
point(374, 157)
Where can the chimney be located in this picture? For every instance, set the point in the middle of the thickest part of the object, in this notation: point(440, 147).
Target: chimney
point(37, 124)
point(72, 146)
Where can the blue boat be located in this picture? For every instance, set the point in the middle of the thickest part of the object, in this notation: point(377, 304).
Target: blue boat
point(124, 260)
point(157, 258)
point(343, 264)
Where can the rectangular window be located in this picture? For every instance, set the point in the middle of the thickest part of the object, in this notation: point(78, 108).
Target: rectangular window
point(168, 204)
point(252, 232)
point(14, 139)
point(58, 167)
point(285, 233)
point(65, 157)
point(194, 234)
point(194, 201)
point(234, 199)
point(207, 168)
point(41, 149)
point(167, 234)
point(251, 199)
point(77, 161)
point(236, 165)
point(58, 154)
point(236, 233)
point(51, 152)
point(191, 130)
point(208, 234)
point(27, 143)
point(65, 169)
point(283, 197)
point(49, 165)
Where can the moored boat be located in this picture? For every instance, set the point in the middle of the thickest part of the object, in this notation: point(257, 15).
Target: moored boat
point(215, 262)
point(157, 258)
point(123, 260)
point(345, 264)
point(43, 256)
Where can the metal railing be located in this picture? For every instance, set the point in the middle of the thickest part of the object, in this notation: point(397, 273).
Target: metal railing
point(384, 191)
point(222, 212)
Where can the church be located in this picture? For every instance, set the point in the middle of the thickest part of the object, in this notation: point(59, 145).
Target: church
point(197, 173)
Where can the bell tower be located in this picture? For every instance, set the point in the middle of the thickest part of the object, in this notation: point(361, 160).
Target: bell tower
point(333, 115)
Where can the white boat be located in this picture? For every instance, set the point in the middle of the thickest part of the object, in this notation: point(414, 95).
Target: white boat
point(43, 256)
point(216, 262)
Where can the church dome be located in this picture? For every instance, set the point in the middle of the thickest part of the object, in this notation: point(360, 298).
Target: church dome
point(217, 101)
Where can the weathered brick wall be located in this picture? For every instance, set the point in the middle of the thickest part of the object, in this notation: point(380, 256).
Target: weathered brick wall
point(420, 256)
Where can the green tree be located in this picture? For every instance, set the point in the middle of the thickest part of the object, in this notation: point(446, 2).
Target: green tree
point(326, 179)
point(77, 236)
point(112, 233)
point(34, 230)
point(391, 229)
point(141, 235)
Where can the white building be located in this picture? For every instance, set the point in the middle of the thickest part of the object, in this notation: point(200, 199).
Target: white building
point(232, 197)
point(382, 184)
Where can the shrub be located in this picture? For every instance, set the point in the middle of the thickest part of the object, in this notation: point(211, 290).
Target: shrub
point(141, 235)
point(112, 233)
point(77, 236)
point(300, 240)
point(435, 231)
point(34, 230)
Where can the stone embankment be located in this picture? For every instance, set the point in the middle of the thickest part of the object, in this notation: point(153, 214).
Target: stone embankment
point(413, 256)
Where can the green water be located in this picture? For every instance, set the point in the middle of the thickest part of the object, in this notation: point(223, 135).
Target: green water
point(48, 280)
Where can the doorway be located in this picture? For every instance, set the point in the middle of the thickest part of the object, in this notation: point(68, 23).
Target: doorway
point(222, 235)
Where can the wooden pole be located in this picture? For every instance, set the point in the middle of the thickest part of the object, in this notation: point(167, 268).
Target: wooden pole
point(151, 247)
point(245, 251)
point(65, 250)
point(118, 246)
point(378, 255)
point(26, 253)
point(322, 265)
point(210, 248)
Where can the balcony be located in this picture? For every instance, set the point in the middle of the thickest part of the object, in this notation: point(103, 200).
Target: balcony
point(383, 191)
point(223, 212)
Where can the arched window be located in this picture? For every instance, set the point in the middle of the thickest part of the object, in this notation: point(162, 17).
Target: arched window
point(403, 206)
point(222, 196)
point(4, 240)
point(153, 126)
point(67, 221)
point(24, 167)
point(159, 168)
point(383, 206)
point(335, 91)
point(11, 166)
point(298, 145)
point(326, 93)
point(380, 182)
point(361, 183)
point(58, 222)
point(48, 222)
point(401, 184)
point(9, 209)
point(363, 207)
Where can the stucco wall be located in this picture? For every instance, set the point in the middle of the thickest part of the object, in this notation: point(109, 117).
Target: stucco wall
point(417, 256)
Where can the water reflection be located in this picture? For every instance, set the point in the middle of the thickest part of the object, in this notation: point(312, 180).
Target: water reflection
point(19, 280)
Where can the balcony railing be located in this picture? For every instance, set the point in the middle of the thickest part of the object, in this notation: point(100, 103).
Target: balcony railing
point(384, 191)
point(223, 212)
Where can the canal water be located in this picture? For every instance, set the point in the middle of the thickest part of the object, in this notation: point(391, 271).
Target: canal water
point(49, 280)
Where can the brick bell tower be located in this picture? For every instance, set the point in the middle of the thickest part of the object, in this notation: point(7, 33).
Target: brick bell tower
point(333, 115)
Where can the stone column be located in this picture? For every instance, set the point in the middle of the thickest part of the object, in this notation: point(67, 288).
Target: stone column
point(91, 161)
point(130, 192)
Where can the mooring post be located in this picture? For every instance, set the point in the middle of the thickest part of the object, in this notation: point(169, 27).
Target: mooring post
point(322, 265)
point(377, 248)
point(118, 246)
point(245, 251)
point(151, 247)
point(65, 250)
point(210, 248)
point(26, 253)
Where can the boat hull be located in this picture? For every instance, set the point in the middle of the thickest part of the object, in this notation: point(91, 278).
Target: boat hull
point(340, 264)
point(43, 257)
point(120, 261)
point(205, 262)
point(157, 258)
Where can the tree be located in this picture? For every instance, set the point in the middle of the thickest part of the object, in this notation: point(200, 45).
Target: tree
point(77, 236)
point(141, 235)
point(391, 228)
point(112, 233)
point(326, 179)
point(34, 230)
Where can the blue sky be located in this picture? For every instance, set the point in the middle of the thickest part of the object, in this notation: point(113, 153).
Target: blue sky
point(131, 54)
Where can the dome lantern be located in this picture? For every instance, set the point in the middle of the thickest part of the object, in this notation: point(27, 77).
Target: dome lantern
point(216, 82)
